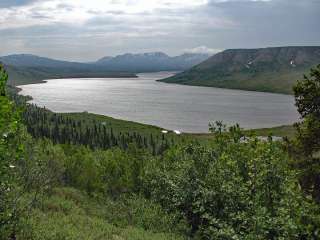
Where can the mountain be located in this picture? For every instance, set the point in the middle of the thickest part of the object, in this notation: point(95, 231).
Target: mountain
point(144, 62)
point(28, 68)
point(29, 60)
point(20, 75)
point(265, 69)
point(148, 62)
point(103, 60)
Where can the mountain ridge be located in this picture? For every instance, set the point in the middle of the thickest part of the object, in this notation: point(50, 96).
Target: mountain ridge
point(186, 61)
point(29, 68)
point(273, 69)
point(31, 60)
point(152, 61)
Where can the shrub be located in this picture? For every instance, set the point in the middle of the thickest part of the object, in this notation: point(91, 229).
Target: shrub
point(232, 190)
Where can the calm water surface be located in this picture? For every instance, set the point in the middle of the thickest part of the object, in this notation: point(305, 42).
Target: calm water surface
point(174, 107)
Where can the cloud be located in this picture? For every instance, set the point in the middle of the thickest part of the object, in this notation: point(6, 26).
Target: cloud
point(228, 1)
point(81, 10)
point(202, 49)
point(12, 3)
point(82, 29)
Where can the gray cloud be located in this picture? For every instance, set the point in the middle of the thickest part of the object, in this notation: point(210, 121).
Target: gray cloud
point(271, 23)
point(12, 3)
point(65, 31)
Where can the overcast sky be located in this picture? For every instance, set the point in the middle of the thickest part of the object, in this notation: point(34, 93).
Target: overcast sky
point(86, 30)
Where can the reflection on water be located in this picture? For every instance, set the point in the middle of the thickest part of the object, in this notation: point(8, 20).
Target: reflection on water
point(171, 106)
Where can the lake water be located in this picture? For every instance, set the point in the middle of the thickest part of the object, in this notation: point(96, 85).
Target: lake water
point(171, 106)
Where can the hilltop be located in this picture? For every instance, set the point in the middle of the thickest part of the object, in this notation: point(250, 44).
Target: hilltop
point(265, 69)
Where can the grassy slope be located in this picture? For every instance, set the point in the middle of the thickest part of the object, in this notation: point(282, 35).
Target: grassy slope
point(281, 131)
point(266, 69)
point(71, 214)
point(277, 82)
point(21, 76)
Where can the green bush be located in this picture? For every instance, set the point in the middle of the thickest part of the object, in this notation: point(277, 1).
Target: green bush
point(305, 148)
point(233, 190)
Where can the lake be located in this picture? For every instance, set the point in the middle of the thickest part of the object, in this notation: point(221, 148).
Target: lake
point(171, 106)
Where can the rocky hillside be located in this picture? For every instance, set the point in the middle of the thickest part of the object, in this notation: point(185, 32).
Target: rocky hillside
point(265, 69)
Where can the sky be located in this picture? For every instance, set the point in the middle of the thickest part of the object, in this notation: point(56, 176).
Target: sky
point(86, 30)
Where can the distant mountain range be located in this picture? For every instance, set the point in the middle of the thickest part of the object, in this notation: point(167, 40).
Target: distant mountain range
point(154, 61)
point(147, 62)
point(27, 68)
point(265, 69)
point(29, 60)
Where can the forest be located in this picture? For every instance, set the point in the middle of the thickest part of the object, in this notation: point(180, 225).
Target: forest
point(70, 176)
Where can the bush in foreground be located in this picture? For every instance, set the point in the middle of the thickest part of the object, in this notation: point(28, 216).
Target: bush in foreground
point(235, 189)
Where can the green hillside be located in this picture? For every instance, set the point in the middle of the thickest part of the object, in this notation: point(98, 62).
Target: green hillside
point(266, 69)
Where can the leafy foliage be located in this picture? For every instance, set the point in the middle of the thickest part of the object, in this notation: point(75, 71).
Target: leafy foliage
point(8, 128)
point(233, 190)
point(24, 174)
point(307, 94)
point(305, 149)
